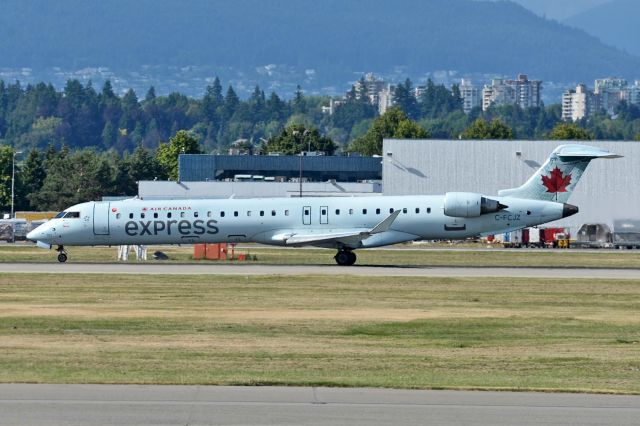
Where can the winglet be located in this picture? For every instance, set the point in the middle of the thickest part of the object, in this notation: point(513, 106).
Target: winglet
point(385, 224)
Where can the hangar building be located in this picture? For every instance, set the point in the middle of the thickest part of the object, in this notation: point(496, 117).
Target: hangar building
point(254, 176)
point(609, 190)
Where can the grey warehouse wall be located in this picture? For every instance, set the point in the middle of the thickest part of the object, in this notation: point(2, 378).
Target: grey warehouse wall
point(610, 189)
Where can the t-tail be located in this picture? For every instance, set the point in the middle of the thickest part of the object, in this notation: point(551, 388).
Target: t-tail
point(558, 177)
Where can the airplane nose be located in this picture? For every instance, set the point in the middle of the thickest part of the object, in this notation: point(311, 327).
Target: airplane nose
point(31, 236)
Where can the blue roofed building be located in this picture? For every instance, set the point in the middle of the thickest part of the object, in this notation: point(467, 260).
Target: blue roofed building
point(203, 167)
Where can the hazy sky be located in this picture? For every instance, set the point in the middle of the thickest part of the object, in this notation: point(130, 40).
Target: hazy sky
point(560, 9)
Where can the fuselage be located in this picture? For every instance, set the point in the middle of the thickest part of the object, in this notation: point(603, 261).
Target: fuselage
point(273, 220)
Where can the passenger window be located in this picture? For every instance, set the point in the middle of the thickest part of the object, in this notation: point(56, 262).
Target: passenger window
point(286, 212)
point(364, 211)
point(169, 215)
point(306, 212)
point(131, 215)
point(377, 211)
point(155, 215)
point(182, 214)
point(261, 212)
point(118, 215)
point(273, 212)
point(209, 214)
point(221, 214)
point(235, 214)
point(337, 212)
point(249, 213)
point(417, 210)
point(324, 212)
point(428, 210)
point(404, 210)
point(350, 211)
point(391, 210)
point(142, 215)
point(195, 214)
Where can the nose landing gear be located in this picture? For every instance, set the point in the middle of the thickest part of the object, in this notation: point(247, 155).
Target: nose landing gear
point(62, 254)
point(345, 258)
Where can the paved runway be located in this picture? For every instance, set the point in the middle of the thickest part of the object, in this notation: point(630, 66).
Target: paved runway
point(28, 405)
point(253, 269)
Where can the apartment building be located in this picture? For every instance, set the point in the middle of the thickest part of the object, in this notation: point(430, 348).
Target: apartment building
point(521, 91)
point(471, 95)
point(579, 103)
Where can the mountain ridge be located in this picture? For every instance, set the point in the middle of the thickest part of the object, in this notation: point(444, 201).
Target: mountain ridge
point(619, 29)
point(333, 37)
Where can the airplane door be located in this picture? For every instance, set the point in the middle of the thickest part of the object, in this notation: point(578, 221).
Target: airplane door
point(101, 218)
point(306, 215)
point(324, 215)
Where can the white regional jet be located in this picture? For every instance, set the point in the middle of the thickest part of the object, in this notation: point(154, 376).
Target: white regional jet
point(345, 224)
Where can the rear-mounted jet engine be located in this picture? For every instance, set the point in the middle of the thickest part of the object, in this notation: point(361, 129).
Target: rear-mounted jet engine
point(469, 204)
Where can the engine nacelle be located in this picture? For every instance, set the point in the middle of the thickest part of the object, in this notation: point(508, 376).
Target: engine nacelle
point(469, 204)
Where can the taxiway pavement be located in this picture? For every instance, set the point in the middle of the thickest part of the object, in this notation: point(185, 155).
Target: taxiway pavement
point(357, 270)
point(87, 405)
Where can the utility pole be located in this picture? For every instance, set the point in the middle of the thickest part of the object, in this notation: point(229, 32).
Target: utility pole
point(13, 185)
point(296, 134)
point(300, 178)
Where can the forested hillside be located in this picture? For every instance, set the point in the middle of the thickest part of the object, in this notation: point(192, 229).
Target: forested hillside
point(332, 37)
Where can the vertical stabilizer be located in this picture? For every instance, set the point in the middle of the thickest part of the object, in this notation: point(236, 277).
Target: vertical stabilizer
point(558, 177)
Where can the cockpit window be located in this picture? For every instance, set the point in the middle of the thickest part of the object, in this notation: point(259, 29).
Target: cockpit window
point(59, 215)
point(72, 215)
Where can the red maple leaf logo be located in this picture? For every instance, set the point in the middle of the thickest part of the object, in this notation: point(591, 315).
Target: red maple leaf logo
point(556, 181)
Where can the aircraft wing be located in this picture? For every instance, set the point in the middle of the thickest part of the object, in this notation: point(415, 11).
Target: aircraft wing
point(348, 238)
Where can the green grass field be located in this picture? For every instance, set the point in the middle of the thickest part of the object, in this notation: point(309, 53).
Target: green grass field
point(265, 255)
point(524, 334)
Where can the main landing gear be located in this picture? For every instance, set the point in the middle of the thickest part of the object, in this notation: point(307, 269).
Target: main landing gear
point(62, 254)
point(345, 258)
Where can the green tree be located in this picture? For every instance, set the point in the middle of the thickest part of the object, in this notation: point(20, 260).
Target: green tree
point(404, 98)
point(151, 95)
point(231, 102)
point(569, 132)
point(183, 142)
point(392, 124)
point(109, 135)
point(299, 103)
point(73, 178)
point(480, 129)
point(437, 101)
point(297, 138)
point(638, 137)
point(32, 175)
point(6, 159)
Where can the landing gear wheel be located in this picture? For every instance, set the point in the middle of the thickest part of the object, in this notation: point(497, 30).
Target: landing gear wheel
point(345, 258)
point(62, 255)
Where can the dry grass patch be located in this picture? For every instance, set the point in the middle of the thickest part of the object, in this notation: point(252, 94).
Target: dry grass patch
point(405, 332)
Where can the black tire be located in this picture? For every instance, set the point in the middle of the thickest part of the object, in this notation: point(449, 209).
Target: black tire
point(343, 257)
point(352, 258)
point(62, 258)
